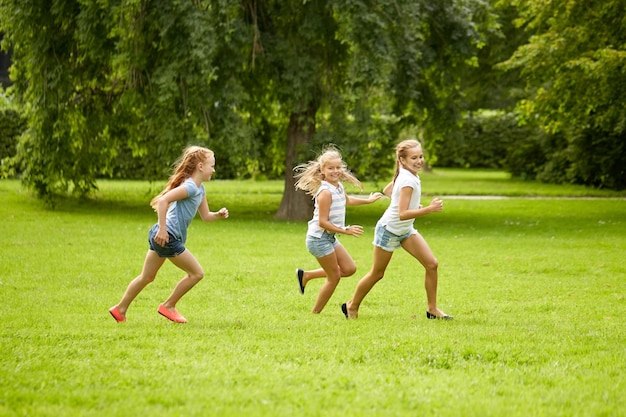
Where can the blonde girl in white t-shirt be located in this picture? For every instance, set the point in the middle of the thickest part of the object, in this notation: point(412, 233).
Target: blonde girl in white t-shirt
point(395, 229)
point(322, 180)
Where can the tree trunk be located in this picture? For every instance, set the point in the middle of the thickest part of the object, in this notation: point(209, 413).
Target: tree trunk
point(297, 205)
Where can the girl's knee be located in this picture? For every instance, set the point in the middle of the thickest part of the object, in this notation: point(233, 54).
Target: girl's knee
point(374, 275)
point(147, 279)
point(348, 271)
point(197, 276)
point(432, 264)
point(333, 278)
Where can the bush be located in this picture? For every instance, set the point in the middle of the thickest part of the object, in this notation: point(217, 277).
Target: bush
point(598, 158)
point(527, 157)
point(12, 124)
point(485, 140)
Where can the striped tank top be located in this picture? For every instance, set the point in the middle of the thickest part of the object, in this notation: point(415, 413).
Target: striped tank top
point(337, 215)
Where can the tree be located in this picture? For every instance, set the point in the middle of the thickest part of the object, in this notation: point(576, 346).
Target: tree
point(252, 79)
point(488, 131)
point(359, 69)
point(487, 85)
point(575, 67)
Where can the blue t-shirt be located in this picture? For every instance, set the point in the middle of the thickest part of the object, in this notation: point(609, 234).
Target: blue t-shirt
point(181, 212)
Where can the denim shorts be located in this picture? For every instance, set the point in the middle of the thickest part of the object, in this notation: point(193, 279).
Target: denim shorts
point(321, 246)
point(388, 241)
point(173, 247)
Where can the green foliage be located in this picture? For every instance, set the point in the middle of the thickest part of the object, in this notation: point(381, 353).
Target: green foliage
point(597, 158)
point(12, 124)
point(574, 65)
point(404, 74)
point(118, 88)
point(526, 159)
point(495, 139)
point(63, 105)
point(102, 81)
point(485, 85)
point(481, 141)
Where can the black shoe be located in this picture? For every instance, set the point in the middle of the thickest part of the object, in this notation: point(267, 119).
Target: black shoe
point(344, 309)
point(300, 275)
point(434, 317)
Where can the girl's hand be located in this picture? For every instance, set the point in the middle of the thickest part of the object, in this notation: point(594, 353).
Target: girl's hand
point(223, 213)
point(162, 237)
point(354, 230)
point(375, 196)
point(436, 205)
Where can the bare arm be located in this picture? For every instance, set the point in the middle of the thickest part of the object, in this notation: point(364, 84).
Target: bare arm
point(404, 213)
point(357, 201)
point(388, 189)
point(208, 216)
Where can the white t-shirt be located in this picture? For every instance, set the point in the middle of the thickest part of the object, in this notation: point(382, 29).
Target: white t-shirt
point(391, 219)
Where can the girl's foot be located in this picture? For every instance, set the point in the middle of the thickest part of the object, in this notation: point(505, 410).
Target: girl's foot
point(172, 315)
point(344, 309)
point(438, 315)
point(346, 312)
point(300, 276)
point(115, 312)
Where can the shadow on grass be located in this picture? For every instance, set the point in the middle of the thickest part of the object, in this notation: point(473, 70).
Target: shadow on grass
point(468, 216)
point(249, 202)
point(241, 207)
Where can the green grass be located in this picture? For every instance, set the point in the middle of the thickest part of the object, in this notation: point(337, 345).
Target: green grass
point(536, 287)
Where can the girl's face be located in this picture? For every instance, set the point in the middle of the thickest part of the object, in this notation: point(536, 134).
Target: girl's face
point(207, 168)
point(414, 160)
point(332, 171)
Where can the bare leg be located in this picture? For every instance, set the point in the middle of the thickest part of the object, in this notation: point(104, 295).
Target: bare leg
point(337, 264)
point(151, 266)
point(381, 260)
point(346, 266)
point(416, 245)
point(312, 274)
point(188, 263)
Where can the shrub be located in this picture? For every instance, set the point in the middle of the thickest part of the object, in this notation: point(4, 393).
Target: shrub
point(12, 124)
point(485, 140)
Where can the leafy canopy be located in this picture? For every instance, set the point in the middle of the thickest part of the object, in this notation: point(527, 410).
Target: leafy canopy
point(101, 80)
point(575, 67)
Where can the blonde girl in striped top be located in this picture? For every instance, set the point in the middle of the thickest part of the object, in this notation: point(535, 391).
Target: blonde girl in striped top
point(322, 179)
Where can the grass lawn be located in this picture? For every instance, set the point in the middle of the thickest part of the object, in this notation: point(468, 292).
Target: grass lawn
point(536, 286)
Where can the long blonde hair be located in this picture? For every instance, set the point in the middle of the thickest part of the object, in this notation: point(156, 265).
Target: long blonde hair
point(309, 175)
point(401, 151)
point(183, 169)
